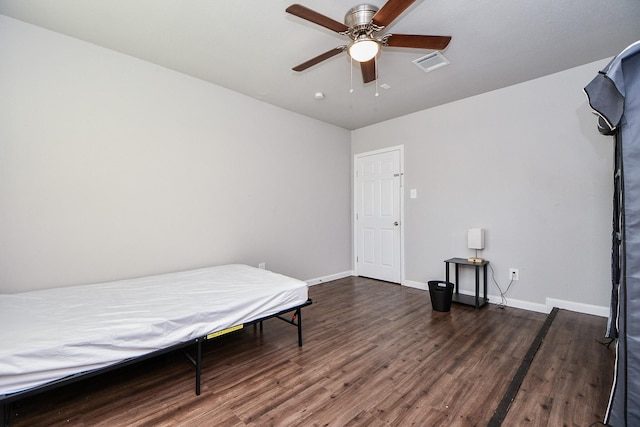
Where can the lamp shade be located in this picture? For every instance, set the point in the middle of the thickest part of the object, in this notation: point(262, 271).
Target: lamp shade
point(364, 49)
point(475, 238)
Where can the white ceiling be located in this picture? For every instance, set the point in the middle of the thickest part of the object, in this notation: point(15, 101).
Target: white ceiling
point(249, 46)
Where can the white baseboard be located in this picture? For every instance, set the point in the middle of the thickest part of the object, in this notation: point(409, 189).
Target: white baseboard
point(329, 278)
point(525, 305)
point(417, 285)
point(550, 303)
point(596, 310)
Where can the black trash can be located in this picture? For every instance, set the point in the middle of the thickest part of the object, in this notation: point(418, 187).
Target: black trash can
point(441, 293)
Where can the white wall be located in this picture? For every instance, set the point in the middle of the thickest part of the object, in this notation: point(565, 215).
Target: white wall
point(527, 164)
point(111, 167)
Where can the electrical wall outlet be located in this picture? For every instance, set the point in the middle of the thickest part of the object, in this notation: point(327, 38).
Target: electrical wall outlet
point(262, 265)
point(514, 274)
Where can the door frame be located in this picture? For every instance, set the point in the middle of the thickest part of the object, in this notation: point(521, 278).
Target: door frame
point(354, 206)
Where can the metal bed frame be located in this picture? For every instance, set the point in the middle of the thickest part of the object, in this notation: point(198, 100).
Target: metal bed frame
point(295, 320)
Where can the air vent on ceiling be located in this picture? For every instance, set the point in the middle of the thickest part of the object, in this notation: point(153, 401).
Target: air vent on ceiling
point(431, 61)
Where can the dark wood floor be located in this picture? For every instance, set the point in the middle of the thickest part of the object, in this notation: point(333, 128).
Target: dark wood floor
point(374, 354)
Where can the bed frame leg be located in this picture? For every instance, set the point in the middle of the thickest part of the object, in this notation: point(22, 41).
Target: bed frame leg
point(299, 316)
point(4, 414)
point(198, 366)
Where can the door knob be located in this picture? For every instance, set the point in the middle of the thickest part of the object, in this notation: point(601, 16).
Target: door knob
point(395, 223)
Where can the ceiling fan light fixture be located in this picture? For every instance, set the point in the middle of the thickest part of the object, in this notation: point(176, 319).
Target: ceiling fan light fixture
point(362, 24)
point(364, 48)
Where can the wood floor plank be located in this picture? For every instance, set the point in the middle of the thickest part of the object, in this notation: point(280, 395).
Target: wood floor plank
point(570, 377)
point(365, 419)
point(374, 354)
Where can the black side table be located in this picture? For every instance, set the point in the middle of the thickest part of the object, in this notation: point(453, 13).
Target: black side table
point(476, 301)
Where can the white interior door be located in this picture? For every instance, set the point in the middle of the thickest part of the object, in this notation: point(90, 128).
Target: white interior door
point(378, 183)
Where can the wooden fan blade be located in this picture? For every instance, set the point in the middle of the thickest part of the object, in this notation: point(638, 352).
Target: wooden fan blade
point(390, 11)
point(368, 70)
point(418, 41)
point(317, 18)
point(313, 61)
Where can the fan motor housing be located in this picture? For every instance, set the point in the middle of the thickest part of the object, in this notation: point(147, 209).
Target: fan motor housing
point(360, 16)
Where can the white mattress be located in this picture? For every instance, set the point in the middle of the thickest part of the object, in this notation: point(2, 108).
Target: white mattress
point(50, 334)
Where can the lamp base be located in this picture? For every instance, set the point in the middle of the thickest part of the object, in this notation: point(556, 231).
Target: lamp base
point(475, 260)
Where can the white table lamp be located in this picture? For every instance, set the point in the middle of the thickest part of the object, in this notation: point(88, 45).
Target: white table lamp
point(475, 239)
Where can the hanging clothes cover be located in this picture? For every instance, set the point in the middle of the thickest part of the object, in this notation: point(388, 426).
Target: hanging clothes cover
point(614, 95)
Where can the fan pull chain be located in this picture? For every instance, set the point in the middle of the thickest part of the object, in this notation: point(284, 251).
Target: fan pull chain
point(351, 68)
point(375, 61)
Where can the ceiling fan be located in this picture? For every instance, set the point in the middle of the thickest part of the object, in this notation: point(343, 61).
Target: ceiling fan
point(361, 23)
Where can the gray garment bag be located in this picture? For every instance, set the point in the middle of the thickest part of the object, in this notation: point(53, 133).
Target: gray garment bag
point(614, 95)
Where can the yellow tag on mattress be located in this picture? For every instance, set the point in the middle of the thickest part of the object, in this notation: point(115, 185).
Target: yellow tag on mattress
point(224, 331)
